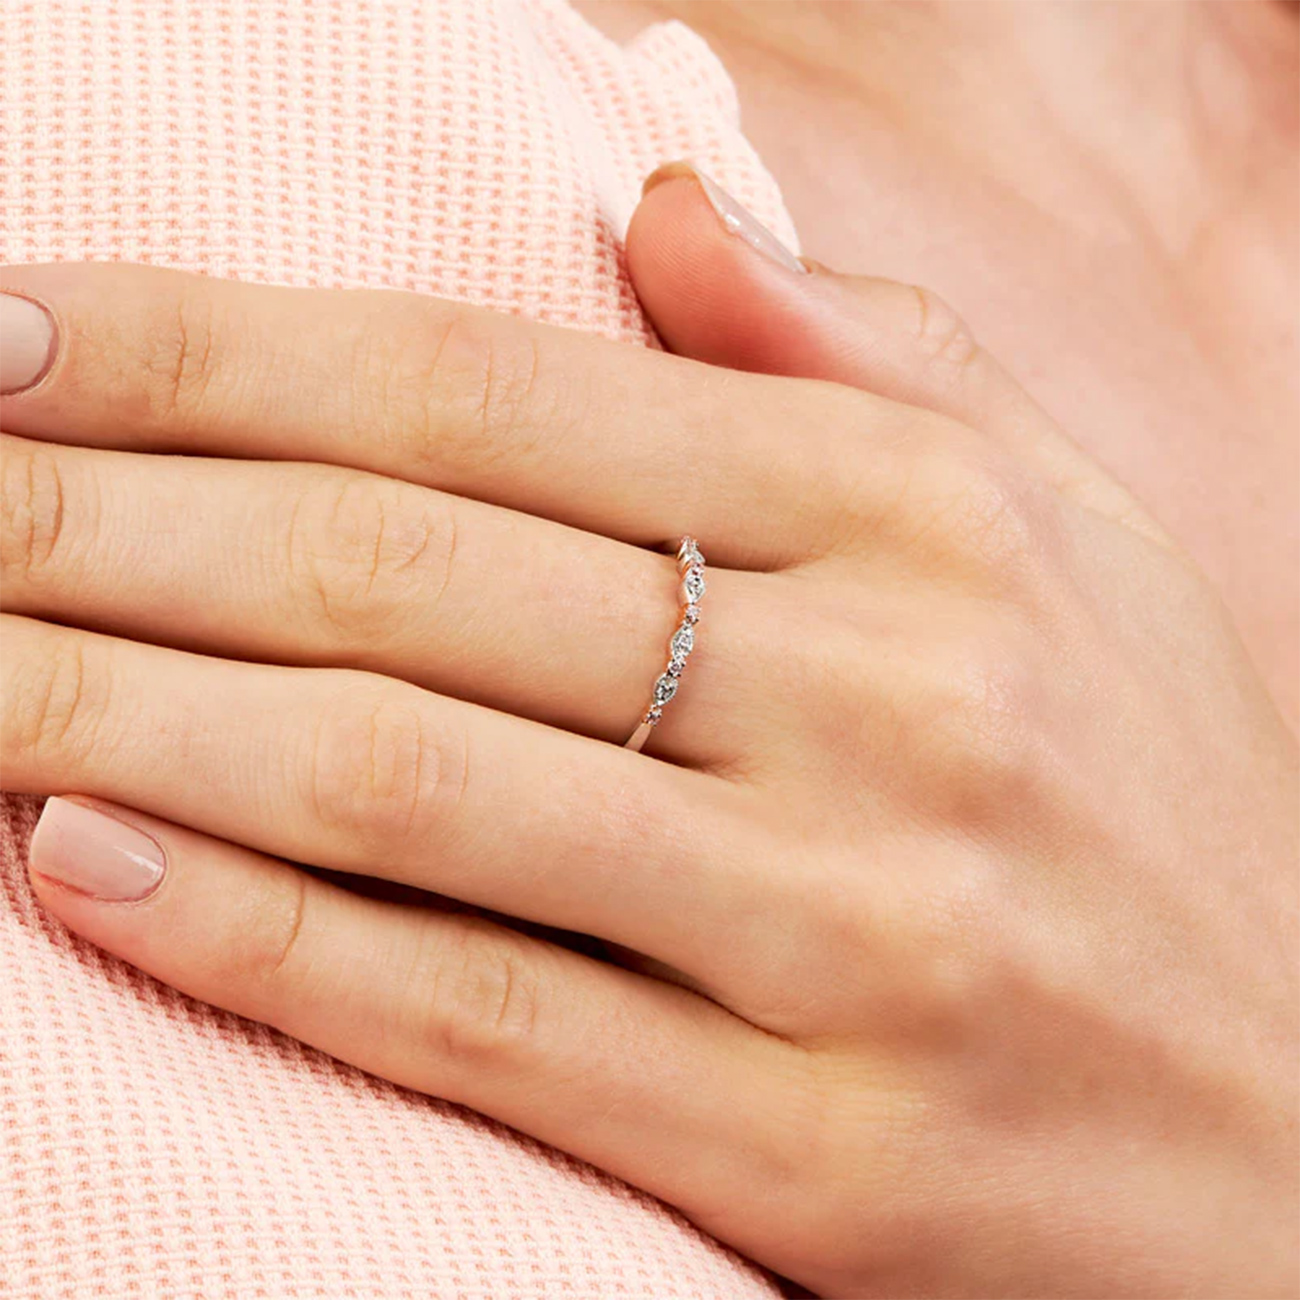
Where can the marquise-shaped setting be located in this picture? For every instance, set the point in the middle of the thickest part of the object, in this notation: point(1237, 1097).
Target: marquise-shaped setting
point(690, 566)
point(665, 689)
point(683, 641)
point(689, 554)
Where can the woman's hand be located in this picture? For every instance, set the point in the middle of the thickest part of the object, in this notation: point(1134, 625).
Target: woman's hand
point(952, 909)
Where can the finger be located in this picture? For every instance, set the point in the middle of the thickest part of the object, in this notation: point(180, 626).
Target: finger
point(717, 297)
point(651, 1082)
point(744, 303)
point(358, 773)
point(320, 566)
point(617, 440)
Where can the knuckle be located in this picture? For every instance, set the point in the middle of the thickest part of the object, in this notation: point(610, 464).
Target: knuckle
point(469, 385)
point(52, 701)
point(939, 933)
point(976, 512)
point(993, 515)
point(272, 959)
point(361, 550)
point(482, 1001)
point(32, 513)
point(944, 338)
point(377, 772)
point(180, 358)
point(502, 386)
point(829, 911)
point(978, 735)
point(939, 493)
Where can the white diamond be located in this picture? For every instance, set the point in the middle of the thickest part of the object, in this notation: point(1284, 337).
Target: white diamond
point(683, 641)
point(691, 614)
point(665, 689)
point(690, 552)
point(693, 585)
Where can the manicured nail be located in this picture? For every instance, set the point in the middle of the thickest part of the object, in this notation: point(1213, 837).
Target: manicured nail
point(736, 219)
point(27, 337)
point(95, 854)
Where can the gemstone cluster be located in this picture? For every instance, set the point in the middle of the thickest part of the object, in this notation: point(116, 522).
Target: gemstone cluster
point(690, 565)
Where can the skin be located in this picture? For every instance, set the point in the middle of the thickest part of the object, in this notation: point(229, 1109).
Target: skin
point(1107, 192)
point(943, 940)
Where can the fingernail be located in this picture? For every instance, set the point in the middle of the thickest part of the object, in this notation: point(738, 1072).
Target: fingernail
point(27, 337)
point(95, 854)
point(736, 219)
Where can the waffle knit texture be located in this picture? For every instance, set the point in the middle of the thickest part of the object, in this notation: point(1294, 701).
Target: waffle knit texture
point(485, 150)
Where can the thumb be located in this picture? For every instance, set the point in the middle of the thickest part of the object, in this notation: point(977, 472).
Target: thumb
point(721, 288)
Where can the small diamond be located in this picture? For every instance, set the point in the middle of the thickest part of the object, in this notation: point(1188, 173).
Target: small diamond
point(693, 585)
point(683, 641)
point(665, 689)
point(690, 551)
point(654, 715)
point(691, 614)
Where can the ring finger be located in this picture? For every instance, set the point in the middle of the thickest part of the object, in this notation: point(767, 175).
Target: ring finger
point(322, 566)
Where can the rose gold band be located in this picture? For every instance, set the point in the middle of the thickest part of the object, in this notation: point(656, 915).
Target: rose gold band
point(690, 564)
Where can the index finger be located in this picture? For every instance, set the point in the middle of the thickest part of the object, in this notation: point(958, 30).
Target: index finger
point(631, 443)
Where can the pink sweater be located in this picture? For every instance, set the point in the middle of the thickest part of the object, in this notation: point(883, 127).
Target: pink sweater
point(490, 150)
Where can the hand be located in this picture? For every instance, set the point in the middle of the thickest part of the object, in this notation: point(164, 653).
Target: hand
point(952, 909)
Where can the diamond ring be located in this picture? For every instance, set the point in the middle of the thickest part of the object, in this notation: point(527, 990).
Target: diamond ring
point(690, 564)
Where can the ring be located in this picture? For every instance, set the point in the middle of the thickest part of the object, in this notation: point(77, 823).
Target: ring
point(690, 564)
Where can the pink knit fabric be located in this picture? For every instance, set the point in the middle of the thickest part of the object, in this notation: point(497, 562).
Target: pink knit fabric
point(490, 150)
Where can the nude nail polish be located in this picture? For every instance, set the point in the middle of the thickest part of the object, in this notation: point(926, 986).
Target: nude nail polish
point(27, 343)
point(89, 851)
point(736, 219)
